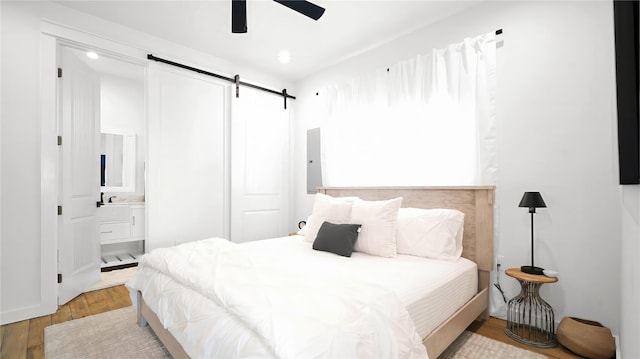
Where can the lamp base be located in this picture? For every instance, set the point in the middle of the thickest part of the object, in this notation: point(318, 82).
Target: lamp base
point(532, 270)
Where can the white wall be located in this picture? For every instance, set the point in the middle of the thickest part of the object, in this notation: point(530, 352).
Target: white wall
point(21, 270)
point(122, 104)
point(556, 114)
point(630, 272)
point(20, 242)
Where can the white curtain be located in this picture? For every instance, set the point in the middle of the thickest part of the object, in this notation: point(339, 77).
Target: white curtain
point(429, 120)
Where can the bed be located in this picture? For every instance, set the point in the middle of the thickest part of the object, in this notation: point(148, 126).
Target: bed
point(168, 299)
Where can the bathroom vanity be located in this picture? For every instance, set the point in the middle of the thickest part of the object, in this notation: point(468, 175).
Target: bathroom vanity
point(121, 211)
point(122, 233)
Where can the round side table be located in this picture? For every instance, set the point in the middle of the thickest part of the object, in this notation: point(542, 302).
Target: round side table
point(530, 320)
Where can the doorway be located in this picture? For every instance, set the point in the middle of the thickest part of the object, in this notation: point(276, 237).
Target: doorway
point(101, 166)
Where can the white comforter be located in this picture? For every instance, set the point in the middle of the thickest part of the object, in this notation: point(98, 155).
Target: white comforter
point(294, 312)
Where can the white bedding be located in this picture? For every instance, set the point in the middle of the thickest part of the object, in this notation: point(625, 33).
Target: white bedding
point(289, 311)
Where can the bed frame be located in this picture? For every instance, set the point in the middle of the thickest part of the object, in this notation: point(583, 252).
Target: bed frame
point(476, 202)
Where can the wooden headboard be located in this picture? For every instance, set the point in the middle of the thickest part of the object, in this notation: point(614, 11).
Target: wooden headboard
point(476, 202)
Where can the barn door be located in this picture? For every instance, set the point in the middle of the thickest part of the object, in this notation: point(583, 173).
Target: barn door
point(259, 167)
point(186, 197)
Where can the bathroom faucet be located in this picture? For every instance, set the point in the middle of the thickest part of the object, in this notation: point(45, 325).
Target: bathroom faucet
point(111, 198)
point(101, 203)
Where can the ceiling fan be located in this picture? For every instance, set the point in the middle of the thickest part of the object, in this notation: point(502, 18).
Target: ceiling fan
point(239, 12)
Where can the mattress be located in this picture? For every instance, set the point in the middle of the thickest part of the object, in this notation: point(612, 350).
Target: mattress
point(430, 290)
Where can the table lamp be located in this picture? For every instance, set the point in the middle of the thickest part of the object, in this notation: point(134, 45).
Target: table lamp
point(532, 200)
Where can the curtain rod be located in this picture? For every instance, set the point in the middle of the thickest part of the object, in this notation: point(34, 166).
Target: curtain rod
point(235, 79)
point(498, 32)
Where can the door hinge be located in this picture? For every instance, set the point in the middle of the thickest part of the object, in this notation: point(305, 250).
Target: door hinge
point(59, 72)
point(59, 210)
point(59, 140)
point(59, 278)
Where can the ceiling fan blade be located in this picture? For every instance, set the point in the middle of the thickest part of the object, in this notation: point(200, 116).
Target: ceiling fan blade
point(238, 16)
point(304, 7)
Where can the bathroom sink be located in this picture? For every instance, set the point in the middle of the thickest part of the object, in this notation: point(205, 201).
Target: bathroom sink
point(123, 200)
point(120, 200)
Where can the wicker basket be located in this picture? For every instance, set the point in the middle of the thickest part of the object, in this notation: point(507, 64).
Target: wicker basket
point(586, 338)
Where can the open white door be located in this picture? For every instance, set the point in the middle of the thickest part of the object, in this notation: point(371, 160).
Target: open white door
point(78, 241)
point(259, 167)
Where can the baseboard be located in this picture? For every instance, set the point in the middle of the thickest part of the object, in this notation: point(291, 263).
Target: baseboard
point(25, 313)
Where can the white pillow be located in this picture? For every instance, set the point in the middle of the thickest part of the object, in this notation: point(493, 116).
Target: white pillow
point(326, 208)
point(379, 220)
point(431, 233)
point(303, 230)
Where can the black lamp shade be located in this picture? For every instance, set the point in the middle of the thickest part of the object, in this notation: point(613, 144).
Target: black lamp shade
point(532, 200)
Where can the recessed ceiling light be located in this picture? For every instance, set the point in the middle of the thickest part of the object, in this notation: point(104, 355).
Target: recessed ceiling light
point(284, 56)
point(92, 55)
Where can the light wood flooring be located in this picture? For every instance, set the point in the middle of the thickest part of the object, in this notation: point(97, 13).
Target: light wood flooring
point(494, 328)
point(25, 339)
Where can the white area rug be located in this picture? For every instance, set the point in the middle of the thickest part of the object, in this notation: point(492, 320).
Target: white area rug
point(113, 278)
point(470, 345)
point(116, 334)
point(113, 334)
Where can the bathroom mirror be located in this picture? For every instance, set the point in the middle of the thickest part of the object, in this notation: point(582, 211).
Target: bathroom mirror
point(117, 162)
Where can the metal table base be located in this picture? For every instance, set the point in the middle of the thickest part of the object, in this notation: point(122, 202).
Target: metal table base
point(530, 320)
